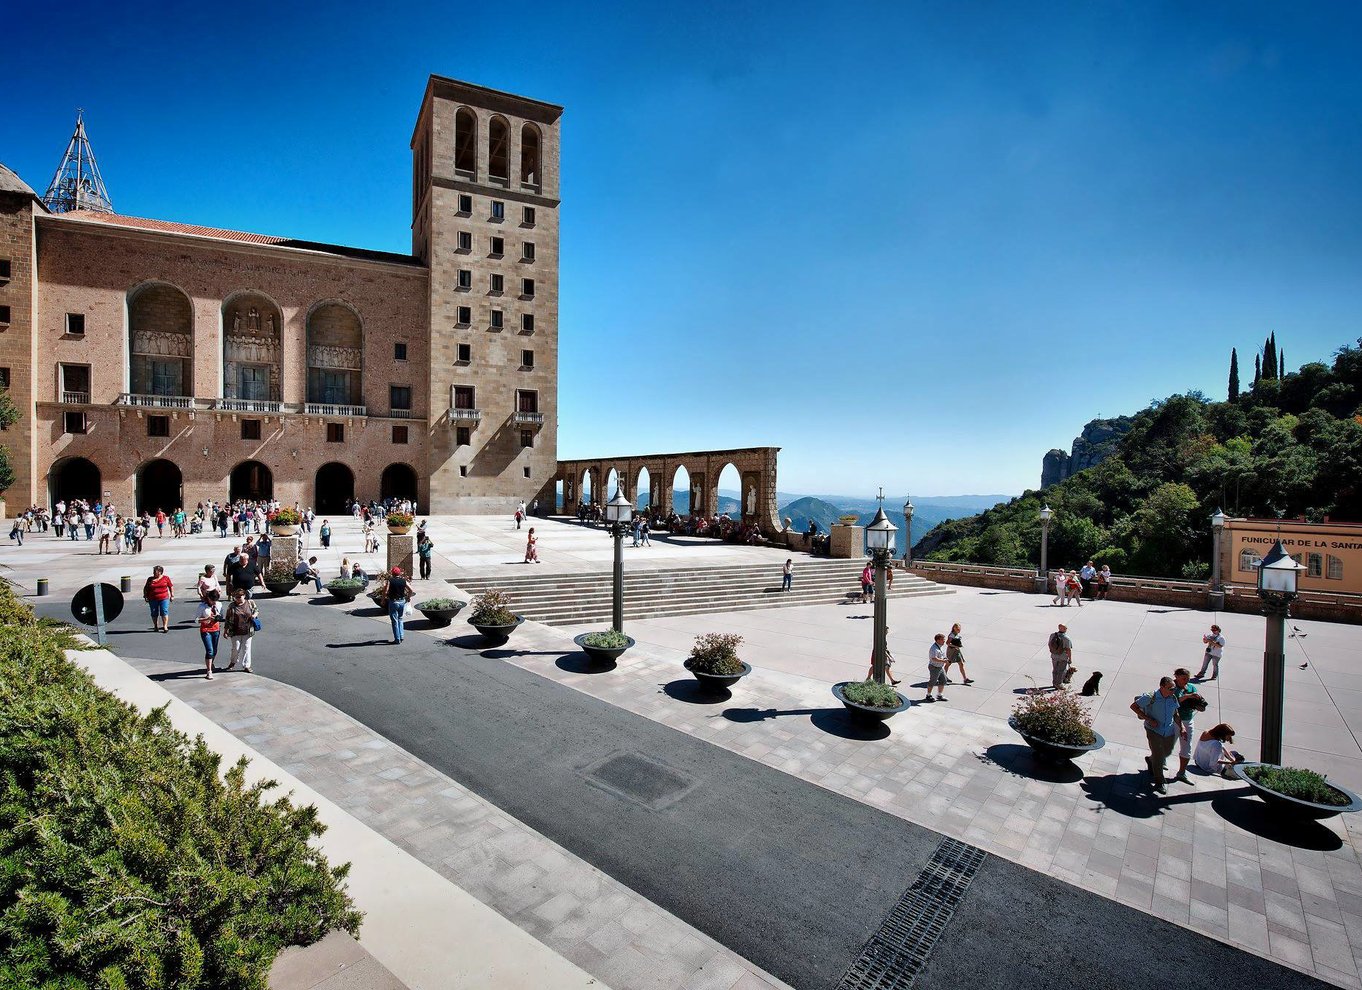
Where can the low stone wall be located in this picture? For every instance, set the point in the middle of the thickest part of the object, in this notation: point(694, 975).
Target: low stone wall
point(1147, 591)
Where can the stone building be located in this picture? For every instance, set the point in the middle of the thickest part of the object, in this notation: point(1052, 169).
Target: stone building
point(160, 364)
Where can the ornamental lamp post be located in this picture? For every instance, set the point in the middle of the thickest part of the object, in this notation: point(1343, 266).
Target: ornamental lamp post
point(618, 512)
point(1217, 593)
point(879, 537)
point(1043, 576)
point(1278, 576)
point(908, 508)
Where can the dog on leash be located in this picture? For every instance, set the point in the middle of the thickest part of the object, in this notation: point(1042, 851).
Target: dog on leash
point(1092, 687)
point(1069, 675)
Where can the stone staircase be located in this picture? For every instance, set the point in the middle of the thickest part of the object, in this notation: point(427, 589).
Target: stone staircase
point(565, 599)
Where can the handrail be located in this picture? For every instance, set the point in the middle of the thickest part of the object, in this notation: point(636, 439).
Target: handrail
point(156, 401)
point(326, 409)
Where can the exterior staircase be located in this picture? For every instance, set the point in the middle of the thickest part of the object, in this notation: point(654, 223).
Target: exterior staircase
point(565, 599)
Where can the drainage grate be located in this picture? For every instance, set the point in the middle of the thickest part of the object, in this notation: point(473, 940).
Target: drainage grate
point(897, 952)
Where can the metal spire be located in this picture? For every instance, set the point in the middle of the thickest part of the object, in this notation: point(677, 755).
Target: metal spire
point(78, 184)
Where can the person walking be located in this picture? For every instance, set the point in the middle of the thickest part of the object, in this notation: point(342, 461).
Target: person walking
point(16, 532)
point(210, 630)
point(243, 618)
point(643, 528)
point(787, 574)
point(867, 584)
point(532, 548)
point(398, 592)
point(1189, 703)
point(955, 654)
point(246, 576)
point(208, 583)
point(936, 668)
point(325, 533)
point(1075, 589)
point(1158, 710)
point(159, 592)
point(424, 549)
point(1061, 588)
point(1215, 648)
point(519, 516)
point(1103, 582)
point(1061, 655)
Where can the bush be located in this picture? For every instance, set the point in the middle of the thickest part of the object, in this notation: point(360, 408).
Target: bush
point(437, 605)
point(871, 695)
point(126, 859)
point(280, 572)
point(1056, 717)
point(285, 517)
point(715, 653)
point(606, 639)
point(1305, 785)
point(493, 608)
point(399, 519)
point(345, 584)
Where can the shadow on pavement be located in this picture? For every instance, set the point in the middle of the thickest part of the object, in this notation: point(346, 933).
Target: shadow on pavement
point(579, 663)
point(179, 675)
point(839, 722)
point(1249, 813)
point(362, 642)
point(1132, 795)
point(1023, 762)
point(690, 691)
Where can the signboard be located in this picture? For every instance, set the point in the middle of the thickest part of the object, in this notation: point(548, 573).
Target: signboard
point(1331, 553)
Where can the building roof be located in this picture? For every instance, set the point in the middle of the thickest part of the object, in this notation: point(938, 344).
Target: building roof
point(173, 227)
point(10, 182)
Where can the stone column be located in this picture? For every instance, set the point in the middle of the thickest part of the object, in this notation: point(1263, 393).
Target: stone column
point(847, 541)
point(401, 552)
point(285, 550)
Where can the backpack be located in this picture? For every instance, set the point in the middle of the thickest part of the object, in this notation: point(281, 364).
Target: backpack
point(1056, 642)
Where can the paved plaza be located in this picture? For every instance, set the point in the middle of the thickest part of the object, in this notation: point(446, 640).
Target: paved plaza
point(1206, 858)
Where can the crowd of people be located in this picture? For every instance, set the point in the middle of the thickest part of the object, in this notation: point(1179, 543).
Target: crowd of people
point(1088, 582)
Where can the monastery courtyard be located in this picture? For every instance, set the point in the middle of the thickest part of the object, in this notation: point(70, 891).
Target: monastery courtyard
point(617, 825)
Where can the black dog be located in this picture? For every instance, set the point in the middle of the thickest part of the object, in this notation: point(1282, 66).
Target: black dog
point(1092, 687)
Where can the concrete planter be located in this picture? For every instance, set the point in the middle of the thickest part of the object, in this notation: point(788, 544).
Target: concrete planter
point(277, 529)
point(1054, 752)
point(1295, 807)
point(603, 655)
point(345, 595)
point(441, 616)
point(399, 530)
point(497, 634)
point(867, 712)
point(280, 588)
point(719, 682)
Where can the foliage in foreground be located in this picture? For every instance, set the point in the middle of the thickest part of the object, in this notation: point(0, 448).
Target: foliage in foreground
point(871, 695)
point(715, 653)
point(606, 639)
point(1057, 717)
point(126, 861)
point(1305, 785)
point(492, 608)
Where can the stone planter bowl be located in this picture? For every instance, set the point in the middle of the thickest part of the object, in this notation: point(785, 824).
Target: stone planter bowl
point(280, 588)
point(497, 634)
point(399, 530)
point(1053, 752)
point(345, 595)
point(280, 529)
point(442, 616)
point(865, 711)
point(604, 655)
point(718, 682)
point(1295, 807)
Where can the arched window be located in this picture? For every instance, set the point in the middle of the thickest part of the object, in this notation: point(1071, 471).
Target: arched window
point(529, 156)
point(1248, 560)
point(335, 351)
point(161, 342)
point(465, 141)
point(498, 149)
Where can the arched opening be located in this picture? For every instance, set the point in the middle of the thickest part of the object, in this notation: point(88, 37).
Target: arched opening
point(729, 492)
point(498, 148)
point(335, 357)
point(559, 498)
point(160, 485)
point(465, 141)
point(251, 481)
point(160, 341)
point(334, 484)
point(398, 482)
point(74, 478)
point(252, 334)
point(643, 492)
point(681, 491)
point(529, 156)
point(586, 487)
point(612, 484)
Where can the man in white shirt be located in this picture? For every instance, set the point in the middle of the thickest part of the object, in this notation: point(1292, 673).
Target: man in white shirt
point(1085, 576)
point(936, 668)
point(1215, 646)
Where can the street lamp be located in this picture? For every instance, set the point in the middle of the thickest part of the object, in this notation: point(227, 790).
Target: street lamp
point(1217, 524)
point(618, 512)
point(1278, 575)
point(1043, 576)
point(879, 537)
point(908, 508)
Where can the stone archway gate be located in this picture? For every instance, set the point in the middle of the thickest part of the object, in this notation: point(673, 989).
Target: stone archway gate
point(756, 468)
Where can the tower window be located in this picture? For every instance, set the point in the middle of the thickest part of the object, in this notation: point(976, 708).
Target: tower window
point(250, 429)
point(498, 247)
point(498, 148)
point(465, 352)
point(527, 217)
point(527, 359)
point(73, 422)
point(498, 210)
point(4, 269)
point(465, 205)
point(464, 397)
point(497, 319)
point(463, 470)
point(463, 436)
point(465, 315)
point(527, 323)
point(498, 285)
point(335, 433)
point(529, 156)
point(465, 278)
point(399, 434)
point(4, 316)
point(527, 288)
point(75, 324)
point(526, 400)
point(399, 398)
point(465, 241)
point(526, 438)
point(527, 251)
point(465, 142)
point(527, 470)
point(399, 351)
point(158, 426)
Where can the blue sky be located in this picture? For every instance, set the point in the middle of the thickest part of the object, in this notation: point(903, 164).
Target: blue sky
point(914, 244)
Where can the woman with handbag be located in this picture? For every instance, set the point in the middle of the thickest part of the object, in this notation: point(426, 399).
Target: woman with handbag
point(243, 622)
point(398, 591)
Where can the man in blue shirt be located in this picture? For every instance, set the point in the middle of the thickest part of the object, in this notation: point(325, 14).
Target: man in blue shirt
point(1162, 724)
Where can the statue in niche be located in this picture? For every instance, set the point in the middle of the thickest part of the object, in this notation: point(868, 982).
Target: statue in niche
point(254, 316)
point(236, 322)
point(269, 324)
point(751, 501)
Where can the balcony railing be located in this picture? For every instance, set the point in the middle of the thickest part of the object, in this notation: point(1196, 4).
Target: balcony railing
point(400, 414)
point(465, 415)
point(323, 409)
point(156, 401)
point(535, 418)
point(76, 398)
point(249, 405)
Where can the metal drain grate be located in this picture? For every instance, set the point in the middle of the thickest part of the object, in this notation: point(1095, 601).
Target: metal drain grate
point(897, 952)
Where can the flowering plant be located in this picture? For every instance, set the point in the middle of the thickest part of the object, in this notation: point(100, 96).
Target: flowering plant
point(1055, 717)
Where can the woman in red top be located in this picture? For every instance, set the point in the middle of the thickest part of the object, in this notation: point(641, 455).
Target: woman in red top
point(159, 592)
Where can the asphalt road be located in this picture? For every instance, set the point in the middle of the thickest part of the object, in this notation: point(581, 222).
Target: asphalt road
point(786, 874)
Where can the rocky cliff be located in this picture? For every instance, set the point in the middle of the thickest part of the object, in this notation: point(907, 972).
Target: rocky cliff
point(1096, 443)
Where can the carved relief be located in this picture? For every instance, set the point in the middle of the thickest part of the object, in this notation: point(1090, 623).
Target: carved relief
point(332, 356)
point(160, 343)
point(252, 350)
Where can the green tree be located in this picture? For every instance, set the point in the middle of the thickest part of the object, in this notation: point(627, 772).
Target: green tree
point(1257, 371)
point(9, 415)
point(1234, 374)
point(1164, 526)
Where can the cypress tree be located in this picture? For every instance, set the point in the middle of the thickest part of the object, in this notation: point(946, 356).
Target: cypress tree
point(1257, 370)
point(1270, 356)
point(1281, 364)
point(1234, 374)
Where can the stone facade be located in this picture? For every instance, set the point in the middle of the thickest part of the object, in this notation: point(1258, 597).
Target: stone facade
point(204, 363)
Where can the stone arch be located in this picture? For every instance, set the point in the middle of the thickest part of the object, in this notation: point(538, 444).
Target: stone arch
point(643, 489)
point(72, 478)
point(334, 483)
point(682, 482)
point(398, 481)
point(250, 480)
point(499, 148)
point(335, 355)
point(160, 485)
point(252, 350)
point(531, 153)
point(589, 489)
point(613, 482)
point(160, 340)
point(727, 477)
point(465, 141)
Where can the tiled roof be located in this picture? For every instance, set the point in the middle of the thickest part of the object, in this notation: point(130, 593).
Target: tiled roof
point(172, 227)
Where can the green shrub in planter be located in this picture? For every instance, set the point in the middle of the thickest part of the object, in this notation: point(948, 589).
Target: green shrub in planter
point(436, 605)
point(280, 573)
point(1057, 717)
point(1304, 785)
point(285, 517)
point(345, 584)
point(399, 519)
point(715, 653)
point(492, 608)
point(606, 639)
point(871, 695)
